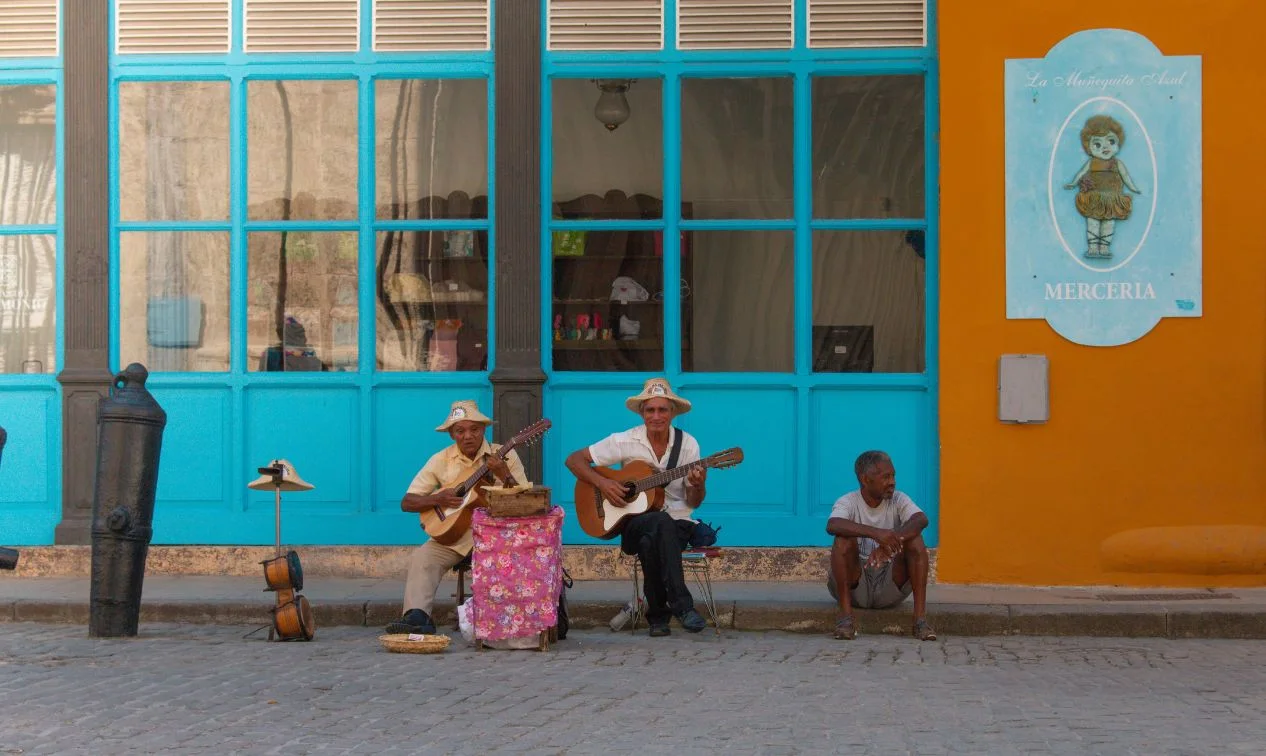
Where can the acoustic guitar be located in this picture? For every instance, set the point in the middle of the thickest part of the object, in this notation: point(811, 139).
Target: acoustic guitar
point(448, 524)
point(644, 492)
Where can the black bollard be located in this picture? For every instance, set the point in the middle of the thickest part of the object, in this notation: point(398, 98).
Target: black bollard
point(129, 438)
point(8, 557)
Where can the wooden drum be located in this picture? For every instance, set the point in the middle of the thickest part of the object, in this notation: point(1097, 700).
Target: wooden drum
point(283, 572)
point(292, 619)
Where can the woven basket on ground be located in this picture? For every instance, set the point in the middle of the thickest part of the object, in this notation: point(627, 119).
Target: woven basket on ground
point(400, 643)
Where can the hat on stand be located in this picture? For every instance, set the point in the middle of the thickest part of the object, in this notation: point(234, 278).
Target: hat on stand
point(285, 479)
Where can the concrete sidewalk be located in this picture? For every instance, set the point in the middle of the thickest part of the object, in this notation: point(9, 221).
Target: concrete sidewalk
point(790, 606)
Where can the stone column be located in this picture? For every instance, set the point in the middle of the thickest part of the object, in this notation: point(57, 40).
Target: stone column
point(85, 373)
point(518, 381)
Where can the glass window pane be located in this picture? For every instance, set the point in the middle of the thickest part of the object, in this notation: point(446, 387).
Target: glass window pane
point(174, 150)
point(608, 300)
point(868, 147)
point(302, 150)
point(736, 147)
point(28, 304)
point(591, 159)
point(737, 306)
point(868, 301)
point(28, 154)
point(432, 300)
point(301, 301)
point(174, 300)
point(432, 148)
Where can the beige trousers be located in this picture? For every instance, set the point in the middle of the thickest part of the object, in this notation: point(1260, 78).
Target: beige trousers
point(427, 566)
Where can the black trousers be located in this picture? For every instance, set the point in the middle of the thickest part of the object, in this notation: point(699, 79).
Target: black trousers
point(658, 540)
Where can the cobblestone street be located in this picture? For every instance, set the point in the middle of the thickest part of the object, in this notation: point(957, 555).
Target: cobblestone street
point(205, 689)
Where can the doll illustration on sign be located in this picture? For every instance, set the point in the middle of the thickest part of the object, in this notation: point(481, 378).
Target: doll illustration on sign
point(1101, 184)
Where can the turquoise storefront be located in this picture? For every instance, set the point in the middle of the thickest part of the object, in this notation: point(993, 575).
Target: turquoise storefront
point(740, 196)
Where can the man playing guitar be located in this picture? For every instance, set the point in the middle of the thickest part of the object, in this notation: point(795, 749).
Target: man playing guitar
point(657, 537)
point(434, 487)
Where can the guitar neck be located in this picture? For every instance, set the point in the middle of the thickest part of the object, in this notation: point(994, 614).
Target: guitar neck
point(668, 476)
point(481, 471)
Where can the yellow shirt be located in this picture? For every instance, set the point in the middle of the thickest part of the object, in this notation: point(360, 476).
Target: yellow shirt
point(449, 467)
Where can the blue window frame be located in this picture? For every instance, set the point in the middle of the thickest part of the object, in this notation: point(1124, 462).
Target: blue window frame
point(226, 420)
point(806, 405)
point(32, 271)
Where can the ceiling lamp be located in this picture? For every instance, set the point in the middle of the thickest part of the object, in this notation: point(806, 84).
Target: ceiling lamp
point(613, 107)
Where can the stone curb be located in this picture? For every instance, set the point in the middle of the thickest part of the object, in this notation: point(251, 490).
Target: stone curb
point(962, 620)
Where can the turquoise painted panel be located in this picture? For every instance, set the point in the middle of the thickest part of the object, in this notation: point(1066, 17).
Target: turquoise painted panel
point(195, 457)
point(29, 505)
point(765, 481)
point(25, 415)
point(405, 418)
point(845, 423)
point(317, 430)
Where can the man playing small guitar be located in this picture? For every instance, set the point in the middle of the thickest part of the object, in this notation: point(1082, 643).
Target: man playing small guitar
point(656, 537)
point(433, 490)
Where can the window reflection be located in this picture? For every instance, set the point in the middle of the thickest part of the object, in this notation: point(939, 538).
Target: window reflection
point(302, 301)
point(592, 160)
point(173, 150)
point(868, 301)
point(432, 148)
point(868, 159)
point(738, 305)
point(28, 304)
point(302, 150)
point(736, 147)
point(432, 303)
point(174, 300)
point(28, 154)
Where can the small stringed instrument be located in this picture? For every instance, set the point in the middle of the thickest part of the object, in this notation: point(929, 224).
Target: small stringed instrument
point(448, 524)
point(643, 485)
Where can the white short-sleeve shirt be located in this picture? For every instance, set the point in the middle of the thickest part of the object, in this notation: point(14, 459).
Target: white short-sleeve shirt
point(891, 514)
point(632, 444)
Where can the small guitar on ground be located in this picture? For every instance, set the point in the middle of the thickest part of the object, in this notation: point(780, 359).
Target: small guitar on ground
point(446, 525)
point(644, 492)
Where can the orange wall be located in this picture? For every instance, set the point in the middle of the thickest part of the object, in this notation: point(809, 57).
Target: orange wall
point(1166, 432)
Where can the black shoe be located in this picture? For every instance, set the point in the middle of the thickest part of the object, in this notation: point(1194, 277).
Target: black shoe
point(692, 621)
point(659, 631)
point(413, 621)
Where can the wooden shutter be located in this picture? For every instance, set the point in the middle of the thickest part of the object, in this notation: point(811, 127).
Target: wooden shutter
point(735, 24)
point(867, 23)
point(423, 25)
point(171, 26)
point(302, 25)
point(606, 24)
point(28, 28)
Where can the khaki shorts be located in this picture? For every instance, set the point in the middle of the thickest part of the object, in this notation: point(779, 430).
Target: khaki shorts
point(875, 589)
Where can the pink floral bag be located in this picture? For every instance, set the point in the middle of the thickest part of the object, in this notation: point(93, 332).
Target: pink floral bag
point(516, 574)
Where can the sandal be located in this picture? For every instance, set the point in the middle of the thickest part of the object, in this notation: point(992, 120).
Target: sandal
point(845, 628)
point(923, 631)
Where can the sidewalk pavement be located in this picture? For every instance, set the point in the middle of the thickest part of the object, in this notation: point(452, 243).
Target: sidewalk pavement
point(803, 607)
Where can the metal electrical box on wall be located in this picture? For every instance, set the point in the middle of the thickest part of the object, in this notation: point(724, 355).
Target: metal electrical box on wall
point(1024, 388)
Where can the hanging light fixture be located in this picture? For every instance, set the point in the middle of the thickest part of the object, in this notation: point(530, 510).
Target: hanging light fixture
point(612, 107)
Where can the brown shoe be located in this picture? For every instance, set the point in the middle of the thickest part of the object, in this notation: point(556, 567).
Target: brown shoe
point(923, 631)
point(845, 628)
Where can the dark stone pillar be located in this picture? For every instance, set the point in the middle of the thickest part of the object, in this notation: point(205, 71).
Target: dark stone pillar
point(518, 381)
point(85, 376)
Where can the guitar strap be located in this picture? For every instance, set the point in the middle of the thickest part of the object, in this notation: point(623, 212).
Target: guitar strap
point(676, 452)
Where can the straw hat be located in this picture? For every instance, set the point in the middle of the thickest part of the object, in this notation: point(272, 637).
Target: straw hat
point(288, 480)
point(657, 388)
point(464, 409)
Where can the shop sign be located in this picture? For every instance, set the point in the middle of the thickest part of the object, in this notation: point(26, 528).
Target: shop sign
point(1103, 187)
